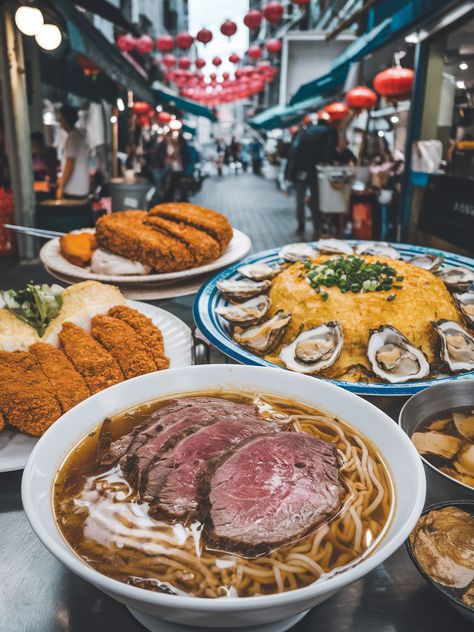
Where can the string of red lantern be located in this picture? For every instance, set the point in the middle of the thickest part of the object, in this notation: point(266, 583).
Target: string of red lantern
point(273, 46)
point(204, 36)
point(273, 12)
point(253, 19)
point(395, 84)
point(228, 28)
point(361, 98)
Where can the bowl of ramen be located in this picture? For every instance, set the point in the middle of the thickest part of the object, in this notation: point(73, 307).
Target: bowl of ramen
point(442, 549)
point(440, 423)
point(223, 495)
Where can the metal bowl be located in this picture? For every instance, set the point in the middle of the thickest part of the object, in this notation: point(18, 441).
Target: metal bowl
point(433, 400)
point(465, 611)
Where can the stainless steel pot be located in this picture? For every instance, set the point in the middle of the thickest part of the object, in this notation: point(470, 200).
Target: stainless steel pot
point(431, 401)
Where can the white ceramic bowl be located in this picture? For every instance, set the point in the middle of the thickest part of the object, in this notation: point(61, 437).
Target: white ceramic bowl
point(403, 460)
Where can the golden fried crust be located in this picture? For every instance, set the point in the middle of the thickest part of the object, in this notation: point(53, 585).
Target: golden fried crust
point(126, 234)
point(148, 333)
point(2, 422)
point(98, 368)
point(212, 222)
point(25, 399)
point(203, 247)
point(123, 344)
point(66, 383)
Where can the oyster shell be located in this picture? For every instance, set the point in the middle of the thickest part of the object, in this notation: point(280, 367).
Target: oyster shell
point(377, 249)
point(334, 247)
point(456, 345)
point(427, 261)
point(264, 337)
point(242, 290)
point(259, 271)
point(314, 349)
point(247, 313)
point(297, 252)
point(456, 279)
point(394, 358)
point(465, 302)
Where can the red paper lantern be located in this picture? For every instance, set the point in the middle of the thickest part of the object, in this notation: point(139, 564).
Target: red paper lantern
point(234, 58)
point(163, 117)
point(394, 83)
point(301, 3)
point(165, 43)
point(200, 62)
point(216, 61)
point(253, 19)
point(144, 44)
point(184, 63)
point(225, 76)
point(204, 36)
point(169, 61)
point(337, 111)
point(184, 40)
point(273, 46)
point(143, 121)
point(228, 28)
point(125, 43)
point(254, 52)
point(361, 98)
point(141, 108)
point(273, 12)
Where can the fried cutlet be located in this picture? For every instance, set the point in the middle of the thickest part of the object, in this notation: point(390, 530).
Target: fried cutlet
point(25, 398)
point(98, 368)
point(66, 383)
point(212, 222)
point(148, 333)
point(124, 345)
point(77, 248)
point(204, 247)
point(126, 234)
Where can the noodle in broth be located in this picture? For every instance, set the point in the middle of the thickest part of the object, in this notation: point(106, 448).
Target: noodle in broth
point(103, 521)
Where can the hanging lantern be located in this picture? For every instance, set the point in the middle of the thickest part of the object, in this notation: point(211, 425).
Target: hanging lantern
point(184, 41)
point(144, 44)
point(273, 12)
point(125, 43)
point(253, 19)
point(225, 76)
point(234, 58)
point(141, 108)
point(273, 46)
point(337, 111)
point(228, 28)
point(169, 61)
point(361, 98)
point(216, 61)
point(163, 117)
point(200, 62)
point(164, 43)
point(143, 121)
point(204, 36)
point(184, 63)
point(301, 3)
point(254, 52)
point(395, 84)
point(213, 76)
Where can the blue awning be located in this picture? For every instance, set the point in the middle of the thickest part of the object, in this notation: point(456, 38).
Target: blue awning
point(164, 95)
point(281, 117)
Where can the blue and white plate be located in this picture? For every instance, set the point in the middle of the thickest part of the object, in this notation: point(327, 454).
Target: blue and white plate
point(216, 330)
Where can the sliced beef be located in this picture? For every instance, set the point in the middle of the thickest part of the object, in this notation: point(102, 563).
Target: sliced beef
point(269, 491)
point(173, 480)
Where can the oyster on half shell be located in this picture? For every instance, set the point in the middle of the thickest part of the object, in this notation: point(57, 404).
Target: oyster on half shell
point(334, 247)
point(427, 261)
point(456, 279)
point(456, 345)
point(247, 313)
point(242, 290)
point(297, 252)
point(377, 249)
point(394, 358)
point(465, 302)
point(259, 271)
point(262, 338)
point(314, 349)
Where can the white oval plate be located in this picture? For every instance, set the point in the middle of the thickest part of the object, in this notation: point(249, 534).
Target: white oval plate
point(50, 255)
point(16, 447)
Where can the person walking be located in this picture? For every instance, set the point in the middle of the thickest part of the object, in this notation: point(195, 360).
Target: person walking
point(173, 155)
point(74, 181)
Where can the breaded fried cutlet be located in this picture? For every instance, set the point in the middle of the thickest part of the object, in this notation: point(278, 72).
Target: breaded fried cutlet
point(212, 222)
point(25, 398)
point(67, 385)
point(203, 247)
point(123, 344)
point(150, 335)
point(98, 368)
point(126, 234)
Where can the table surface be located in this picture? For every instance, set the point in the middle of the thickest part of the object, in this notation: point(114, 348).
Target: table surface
point(38, 594)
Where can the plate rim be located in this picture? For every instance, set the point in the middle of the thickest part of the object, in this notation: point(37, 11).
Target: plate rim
point(224, 344)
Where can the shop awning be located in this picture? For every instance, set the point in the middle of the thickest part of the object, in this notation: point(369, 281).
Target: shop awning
point(282, 117)
point(163, 95)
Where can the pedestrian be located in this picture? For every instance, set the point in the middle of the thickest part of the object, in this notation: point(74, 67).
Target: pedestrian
point(173, 156)
point(256, 155)
point(45, 160)
point(315, 146)
point(74, 181)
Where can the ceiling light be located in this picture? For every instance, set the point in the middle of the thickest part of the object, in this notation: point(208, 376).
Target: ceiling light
point(463, 65)
point(48, 37)
point(381, 133)
point(29, 20)
point(412, 38)
point(461, 85)
point(113, 119)
point(120, 104)
point(394, 119)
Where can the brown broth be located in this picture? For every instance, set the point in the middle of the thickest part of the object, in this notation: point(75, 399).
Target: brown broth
point(102, 519)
